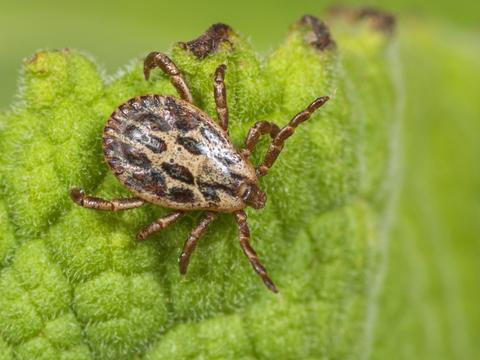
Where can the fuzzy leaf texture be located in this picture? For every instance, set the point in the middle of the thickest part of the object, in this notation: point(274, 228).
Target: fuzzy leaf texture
point(74, 283)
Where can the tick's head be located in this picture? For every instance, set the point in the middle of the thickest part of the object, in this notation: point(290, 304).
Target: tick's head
point(252, 195)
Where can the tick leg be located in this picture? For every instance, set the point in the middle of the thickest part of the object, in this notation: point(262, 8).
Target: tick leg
point(277, 144)
point(259, 129)
point(244, 236)
point(159, 224)
point(192, 240)
point(156, 59)
point(220, 94)
point(90, 202)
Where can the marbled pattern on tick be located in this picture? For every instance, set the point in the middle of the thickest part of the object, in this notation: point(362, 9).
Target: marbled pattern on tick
point(165, 138)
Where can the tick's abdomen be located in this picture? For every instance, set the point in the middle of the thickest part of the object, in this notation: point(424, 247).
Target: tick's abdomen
point(168, 152)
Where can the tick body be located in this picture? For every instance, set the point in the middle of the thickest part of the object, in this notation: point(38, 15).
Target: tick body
point(170, 153)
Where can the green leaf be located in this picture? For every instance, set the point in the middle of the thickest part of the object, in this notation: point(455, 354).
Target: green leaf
point(75, 283)
point(430, 297)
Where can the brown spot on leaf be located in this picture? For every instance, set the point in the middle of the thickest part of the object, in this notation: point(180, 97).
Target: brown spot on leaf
point(377, 19)
point(208, 43)
point(36, 64)
point(33, 59)
point(319, 36)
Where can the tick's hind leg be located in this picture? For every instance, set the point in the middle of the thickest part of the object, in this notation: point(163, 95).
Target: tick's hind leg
point(277, 144)
point(159, 224)
point(259, 129)
point(90, 202)
point(220, 95)
point(156, 59)
point(244, 236)
point(192, 240)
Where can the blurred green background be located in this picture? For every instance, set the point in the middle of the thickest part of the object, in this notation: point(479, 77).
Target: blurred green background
point(429, 304)
point(114, 32)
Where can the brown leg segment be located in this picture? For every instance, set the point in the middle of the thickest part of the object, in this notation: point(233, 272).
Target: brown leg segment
point(90, 202)
point(156, 59)
point(192, 240)
point(159, 224)
point(220, 95)
point(244, 236)
point(256, 132)
point(277, 144)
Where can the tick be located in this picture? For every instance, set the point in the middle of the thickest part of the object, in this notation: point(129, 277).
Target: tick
point(168, 152)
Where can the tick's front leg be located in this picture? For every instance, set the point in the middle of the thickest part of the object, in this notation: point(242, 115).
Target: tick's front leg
point(277, 144)
point(156, 59)
point(259, 129)
point(91, 202)
point(244, 237)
